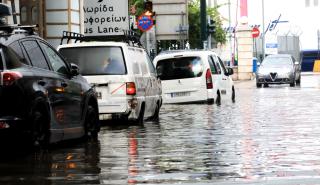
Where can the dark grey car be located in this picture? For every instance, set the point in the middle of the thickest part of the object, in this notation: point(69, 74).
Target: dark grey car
point(278, 69)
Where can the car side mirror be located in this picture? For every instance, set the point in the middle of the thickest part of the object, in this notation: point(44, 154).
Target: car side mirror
point(74, 69)
point(230, 71)
point(258, 63)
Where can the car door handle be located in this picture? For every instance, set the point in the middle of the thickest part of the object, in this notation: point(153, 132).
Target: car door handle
point(64, 84)
point(42, 82)
point(224, 79)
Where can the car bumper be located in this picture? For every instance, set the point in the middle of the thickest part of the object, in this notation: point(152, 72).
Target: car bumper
point(280, 79)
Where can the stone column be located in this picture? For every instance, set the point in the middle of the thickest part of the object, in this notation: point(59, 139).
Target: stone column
point(245, 52)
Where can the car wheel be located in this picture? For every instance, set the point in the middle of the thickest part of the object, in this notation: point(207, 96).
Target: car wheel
point(259, 85)
point(92, 124)
point(140, 118)
point(298, 81)
point(40, 134)
point(292, 84)
point(233, 95)
point(155, 116)
point(218, 100)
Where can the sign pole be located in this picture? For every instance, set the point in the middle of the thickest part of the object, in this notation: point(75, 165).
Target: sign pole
point(203, 22)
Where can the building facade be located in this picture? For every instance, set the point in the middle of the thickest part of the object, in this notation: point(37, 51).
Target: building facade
point(52, 16)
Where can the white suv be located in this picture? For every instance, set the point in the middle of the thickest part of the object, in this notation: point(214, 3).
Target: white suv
point(125, 79)
point(193, 76)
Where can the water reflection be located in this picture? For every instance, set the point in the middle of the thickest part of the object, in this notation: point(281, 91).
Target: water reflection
point(266, 137)
point(69, 164)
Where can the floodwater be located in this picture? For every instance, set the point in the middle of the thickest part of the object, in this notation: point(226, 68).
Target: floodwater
point(268, 136)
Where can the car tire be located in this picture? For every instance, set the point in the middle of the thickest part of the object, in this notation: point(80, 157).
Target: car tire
point(218, 100)
point(259, 85)
point(298, 81)
point(292, 84)
point(233, 95)
point(92, 124)
point(140, 118)
point(155, 116)
point(40, 134)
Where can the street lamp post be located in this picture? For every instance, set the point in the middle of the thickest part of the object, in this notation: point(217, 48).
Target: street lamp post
point(263, 31)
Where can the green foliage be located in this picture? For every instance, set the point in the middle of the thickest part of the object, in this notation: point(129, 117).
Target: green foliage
point(139, 4)
point(194, 24)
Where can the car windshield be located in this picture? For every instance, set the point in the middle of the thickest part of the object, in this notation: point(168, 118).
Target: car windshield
point(96, 60)
point(277, 62)
point(177, 68)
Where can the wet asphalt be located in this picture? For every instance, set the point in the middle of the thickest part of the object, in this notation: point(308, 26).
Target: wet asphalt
point(268, 136)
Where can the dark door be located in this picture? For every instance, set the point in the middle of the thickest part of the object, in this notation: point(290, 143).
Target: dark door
point(70, 89)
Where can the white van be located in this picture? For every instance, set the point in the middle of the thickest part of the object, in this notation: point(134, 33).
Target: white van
point(193, 76)
point(124, 77)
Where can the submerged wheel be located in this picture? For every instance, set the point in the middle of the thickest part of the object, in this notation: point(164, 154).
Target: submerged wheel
point(292, 84)
point(233, 95)
point(40, 134)
point(218, 100)
point(155, 116)
point(259, 85)
point(92, 124)
point(140, 118)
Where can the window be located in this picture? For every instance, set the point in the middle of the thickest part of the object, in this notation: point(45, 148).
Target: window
point(12, 59)
point(56, 62)
point(34, 14)
point(307, 2)
point(35, 54)
point(96, 60)
point(222, 66)
point(178, 68)
point(216, 61)
point(150, 64)
point(16, 47)
point(212, 65)
point(23, 14)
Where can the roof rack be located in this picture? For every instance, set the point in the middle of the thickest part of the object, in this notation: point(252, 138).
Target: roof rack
point(13, 29)
point(130, 37)
point(71, 35)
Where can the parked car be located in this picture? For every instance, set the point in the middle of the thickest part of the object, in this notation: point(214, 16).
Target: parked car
point(193, 76)
point(42, 96)
point(125, 78)
point(279, 69)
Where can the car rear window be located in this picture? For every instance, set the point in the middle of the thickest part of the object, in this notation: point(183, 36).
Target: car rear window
point(12, 60)
point(96, 60)
point(178, 68)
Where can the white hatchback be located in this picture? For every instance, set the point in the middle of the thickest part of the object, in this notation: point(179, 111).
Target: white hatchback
point(124, 77)
point(193, 76)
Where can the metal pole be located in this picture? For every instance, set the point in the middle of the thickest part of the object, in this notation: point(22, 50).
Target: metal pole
point(230, 34)
point(203, 21)
point(263, 33)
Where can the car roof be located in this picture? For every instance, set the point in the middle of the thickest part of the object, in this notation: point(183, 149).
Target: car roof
point(181, 53)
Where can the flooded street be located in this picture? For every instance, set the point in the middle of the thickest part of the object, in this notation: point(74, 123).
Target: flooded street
point(268, 136)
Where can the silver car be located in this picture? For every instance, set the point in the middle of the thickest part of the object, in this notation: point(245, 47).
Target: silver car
point(278, 69)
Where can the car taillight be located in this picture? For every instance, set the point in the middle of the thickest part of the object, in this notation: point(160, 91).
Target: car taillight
point(131, 88)
point(209, 79)
point(9, 77)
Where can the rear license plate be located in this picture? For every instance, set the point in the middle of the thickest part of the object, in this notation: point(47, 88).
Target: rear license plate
point(180, 94)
